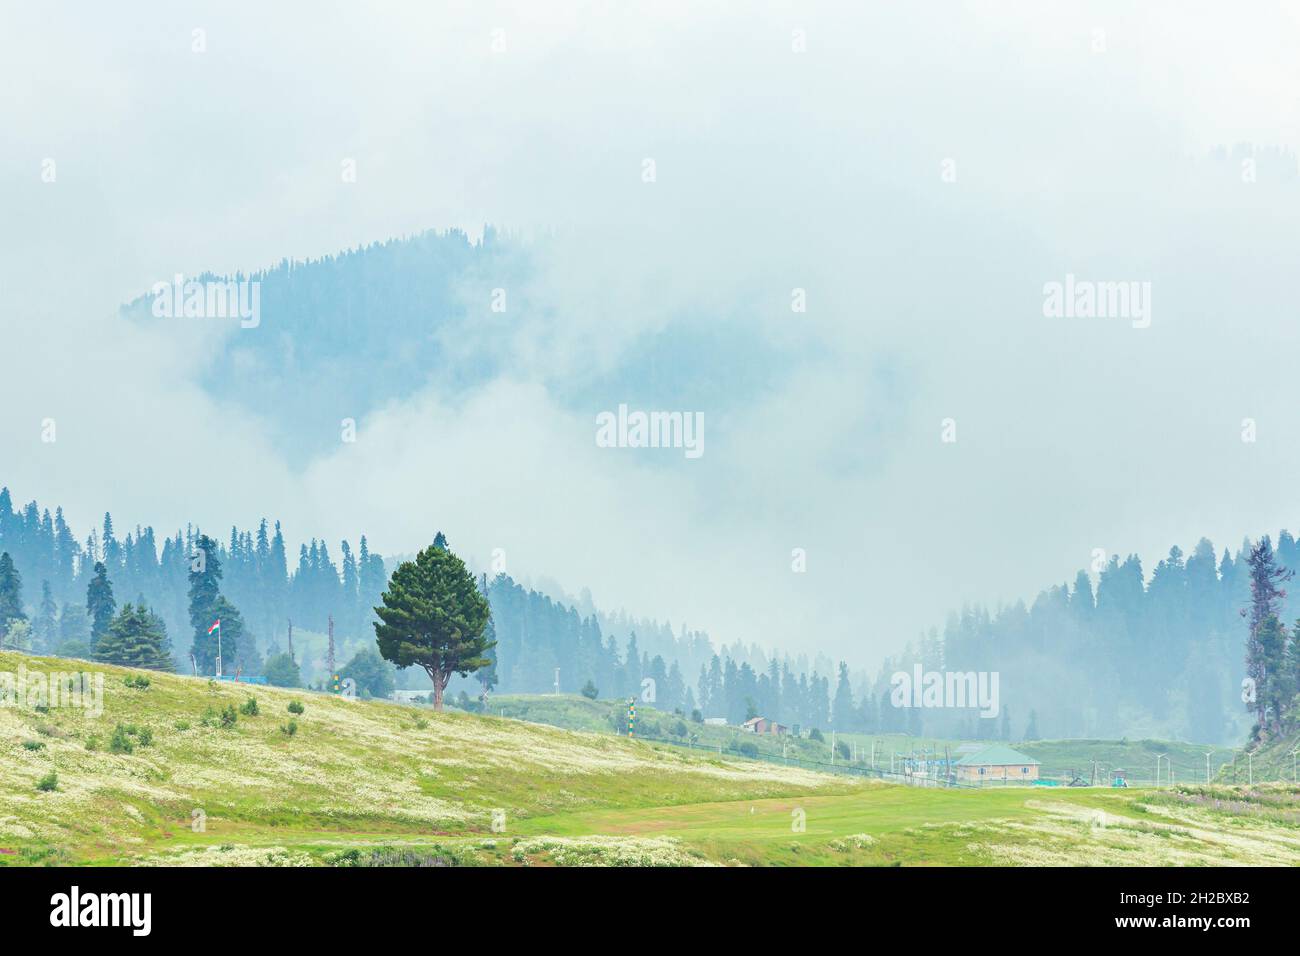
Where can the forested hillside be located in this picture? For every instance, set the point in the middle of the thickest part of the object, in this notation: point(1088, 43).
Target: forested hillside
point(1133, 656)
point(1136, 655)
point(386, 308)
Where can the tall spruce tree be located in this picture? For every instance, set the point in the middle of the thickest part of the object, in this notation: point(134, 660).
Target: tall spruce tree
point(100, 605)
point(1266, 644)
point(204, 596)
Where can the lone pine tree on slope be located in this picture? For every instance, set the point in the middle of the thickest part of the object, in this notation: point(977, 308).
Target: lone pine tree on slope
point(433, 615)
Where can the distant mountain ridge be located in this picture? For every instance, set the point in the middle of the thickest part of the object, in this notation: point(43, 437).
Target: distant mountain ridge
point(343, 335)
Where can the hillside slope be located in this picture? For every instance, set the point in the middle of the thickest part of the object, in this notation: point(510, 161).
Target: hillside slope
point(350, 768)
point(179, 770)
point(1276, 759)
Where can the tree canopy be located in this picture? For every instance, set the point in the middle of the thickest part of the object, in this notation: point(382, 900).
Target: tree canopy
point(434, 616)
point(136, 637)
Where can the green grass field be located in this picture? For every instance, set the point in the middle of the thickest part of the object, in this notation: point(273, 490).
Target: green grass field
point(374, 783)
point(1060, 759)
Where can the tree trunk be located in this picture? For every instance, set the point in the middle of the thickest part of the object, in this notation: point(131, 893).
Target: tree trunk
point(439, 685)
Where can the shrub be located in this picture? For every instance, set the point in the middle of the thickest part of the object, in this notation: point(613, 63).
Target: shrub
point(48, 782)
point(679, 729)
point(92, 742)
point(816, 735)
point(748, 748)
point(590, 691)
point(393, 856)
point(139, 682)
point(296, 707)
point(249, 707)
point(182, 725)
point(290, 728)
point(228, 716)
point(121, 741)
point(145, 736)
point(33, 745)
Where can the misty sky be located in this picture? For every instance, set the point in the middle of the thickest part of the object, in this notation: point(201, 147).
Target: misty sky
point(1107, 155)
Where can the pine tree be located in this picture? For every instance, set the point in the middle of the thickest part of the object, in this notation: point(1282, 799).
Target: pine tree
point(371, 674)
point(350, 612)
point(372, 579)
point(281, 671)
point(632, 668)
point(204, 597)
point(1266, 645)
point(46, 630)
point(487, 676)
point(136, 638)
point(112, 549)
point(74, 632)
point(432, 615)
point(100, 605)
point(11, 596)
point(842, 711)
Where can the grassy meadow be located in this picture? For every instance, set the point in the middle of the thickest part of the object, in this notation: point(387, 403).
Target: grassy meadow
point(182, 771)
point(1060, 760)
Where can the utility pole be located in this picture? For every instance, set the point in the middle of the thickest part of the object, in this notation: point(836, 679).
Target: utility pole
point(557, 682)
point(1207, 765)
point(292, 659)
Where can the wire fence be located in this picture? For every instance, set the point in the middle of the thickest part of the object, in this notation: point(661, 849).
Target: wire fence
point(933, 773)
point(926, 778)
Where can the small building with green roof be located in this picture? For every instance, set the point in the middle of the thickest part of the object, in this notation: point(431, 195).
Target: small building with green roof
point(996, 764)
